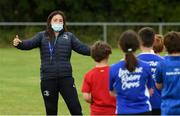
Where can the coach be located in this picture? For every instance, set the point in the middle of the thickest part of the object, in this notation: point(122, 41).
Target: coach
point(56, 45)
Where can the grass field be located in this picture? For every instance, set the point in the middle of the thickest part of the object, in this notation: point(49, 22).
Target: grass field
point(20, 81)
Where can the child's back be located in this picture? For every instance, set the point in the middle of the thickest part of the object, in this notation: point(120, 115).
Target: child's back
point(131, 87)
point(96, 82)
point(168, 75)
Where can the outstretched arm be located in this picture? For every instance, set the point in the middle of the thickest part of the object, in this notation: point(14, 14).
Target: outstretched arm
point(27, 44)
point(79, 47)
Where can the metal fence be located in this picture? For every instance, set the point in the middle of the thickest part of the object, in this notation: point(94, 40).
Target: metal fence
point(104, 25)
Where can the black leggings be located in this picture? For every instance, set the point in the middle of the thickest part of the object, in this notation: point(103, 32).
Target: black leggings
point(50, 91)
point(156, 111)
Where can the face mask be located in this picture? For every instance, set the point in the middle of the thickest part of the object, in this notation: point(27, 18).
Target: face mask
point(57, 27)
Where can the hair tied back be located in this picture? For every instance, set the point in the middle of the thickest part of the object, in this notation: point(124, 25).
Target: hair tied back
point(129, 49)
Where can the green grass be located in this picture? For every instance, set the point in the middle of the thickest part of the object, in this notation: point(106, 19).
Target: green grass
point(20, 81)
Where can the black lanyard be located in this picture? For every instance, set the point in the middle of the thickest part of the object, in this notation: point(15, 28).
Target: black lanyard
point(51, 49)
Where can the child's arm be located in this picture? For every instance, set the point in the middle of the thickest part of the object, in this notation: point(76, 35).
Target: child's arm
point(159, 86)
point(112, 93)
point(151, 91)
point(158, 76)
point(87, 97)
point(150, 81)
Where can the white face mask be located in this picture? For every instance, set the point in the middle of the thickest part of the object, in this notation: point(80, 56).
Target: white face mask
point(57, 27)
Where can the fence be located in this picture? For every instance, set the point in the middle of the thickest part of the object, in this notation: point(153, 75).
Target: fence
point(104, 25)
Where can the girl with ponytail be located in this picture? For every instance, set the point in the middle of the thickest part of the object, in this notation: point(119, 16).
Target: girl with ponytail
point(130, 78)
point(129, 43)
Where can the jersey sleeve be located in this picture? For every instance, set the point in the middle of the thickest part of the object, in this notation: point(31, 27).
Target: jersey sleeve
point(86, 86)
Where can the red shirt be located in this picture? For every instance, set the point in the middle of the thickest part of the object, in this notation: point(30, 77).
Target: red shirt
point(96, 82)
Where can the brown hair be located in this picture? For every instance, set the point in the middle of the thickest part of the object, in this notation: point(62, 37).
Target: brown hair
point(100, 50)
point(158, 44)
point(129, 43)
point(172, 42)
point(49, 30)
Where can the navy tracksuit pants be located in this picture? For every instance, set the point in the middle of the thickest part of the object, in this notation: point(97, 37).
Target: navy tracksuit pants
point(50, 90)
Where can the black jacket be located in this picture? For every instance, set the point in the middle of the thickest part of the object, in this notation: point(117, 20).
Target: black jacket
point(59, 66)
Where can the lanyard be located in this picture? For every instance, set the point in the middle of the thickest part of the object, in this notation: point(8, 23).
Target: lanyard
point(51, 49)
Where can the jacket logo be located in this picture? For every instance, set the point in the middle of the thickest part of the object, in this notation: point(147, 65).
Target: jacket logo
point(65, 36)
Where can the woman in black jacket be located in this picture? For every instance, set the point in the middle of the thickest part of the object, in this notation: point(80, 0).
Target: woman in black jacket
point(56, 45)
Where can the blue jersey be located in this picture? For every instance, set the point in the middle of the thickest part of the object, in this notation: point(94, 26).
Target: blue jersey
point(168, 73)
point(131, 88)
point(153, 60)
point(165, 56)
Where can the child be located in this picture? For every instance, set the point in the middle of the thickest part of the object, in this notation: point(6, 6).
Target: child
point(147, 36)
point(129, 79)
point(95, 86)
point(168, 75)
